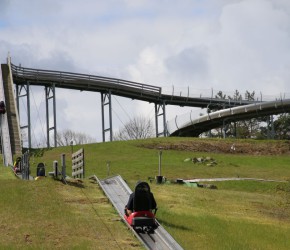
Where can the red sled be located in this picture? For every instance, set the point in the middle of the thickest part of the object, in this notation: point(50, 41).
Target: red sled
point(141, 219)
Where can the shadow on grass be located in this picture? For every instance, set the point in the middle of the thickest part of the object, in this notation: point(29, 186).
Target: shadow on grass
point(74, 182)
point(168, 224)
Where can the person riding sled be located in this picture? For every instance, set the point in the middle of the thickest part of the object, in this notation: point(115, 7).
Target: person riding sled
point(142, 199)
point(138, 211)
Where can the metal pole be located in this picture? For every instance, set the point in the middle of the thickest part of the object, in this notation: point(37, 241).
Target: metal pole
point(110, 116)
point(164, 121)
point(55, 169)
point(160, 113)
point(54, 115)
point(268, 127)
point(50, 94)
point(106, 100)
point(160, 157)
point(63, 167)
point(72, 146)
point(28, 115)
point(108, 168)
point(27, 166)
point(224, 129)
point(272, 128)
point(156, 119)
point(47, 115)
point(103, 117)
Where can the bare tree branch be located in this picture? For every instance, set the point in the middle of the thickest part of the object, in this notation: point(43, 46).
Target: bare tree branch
point(65, 137)
point(137, 128)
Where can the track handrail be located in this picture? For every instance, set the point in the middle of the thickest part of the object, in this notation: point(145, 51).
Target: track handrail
point(50, 75)
point(129, 89)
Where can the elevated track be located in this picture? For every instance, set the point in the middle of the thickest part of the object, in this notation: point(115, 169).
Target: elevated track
point(229, 110)
point(118, 193)
point(119, 87)
point(184, 125)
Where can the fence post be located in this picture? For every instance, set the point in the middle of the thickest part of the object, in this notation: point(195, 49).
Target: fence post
point(55, 169)
point(63, 167)
point(25, 166)
point(159, 165)
point(108, 168)
point(159, 177)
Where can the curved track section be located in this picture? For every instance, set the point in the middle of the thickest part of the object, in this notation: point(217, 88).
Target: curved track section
point(185, 126)
point(118, 193)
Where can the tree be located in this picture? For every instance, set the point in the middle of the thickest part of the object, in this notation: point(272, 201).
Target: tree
point(250, 96)
point(220, 95)
point(65, 137)
point(137, 128)
point(236, 97)
point(282, 127)
point(241, 129)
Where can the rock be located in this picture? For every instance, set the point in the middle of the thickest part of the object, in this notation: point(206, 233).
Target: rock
point(194, 160)
point(199, 159)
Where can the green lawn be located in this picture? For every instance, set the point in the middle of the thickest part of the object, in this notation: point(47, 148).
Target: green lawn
point(236, 215)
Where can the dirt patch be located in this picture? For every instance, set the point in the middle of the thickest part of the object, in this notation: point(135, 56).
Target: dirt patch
point(27, 238)
point(279, 211)
point(223, 146)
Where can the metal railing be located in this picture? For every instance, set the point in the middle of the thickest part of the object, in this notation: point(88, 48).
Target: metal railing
point(81, 81)
point(129, 89)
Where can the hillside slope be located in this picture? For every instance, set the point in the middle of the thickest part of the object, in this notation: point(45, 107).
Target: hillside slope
point(236, 215)
point(47, 214)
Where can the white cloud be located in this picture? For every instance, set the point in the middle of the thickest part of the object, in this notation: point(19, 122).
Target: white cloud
point(250, 49)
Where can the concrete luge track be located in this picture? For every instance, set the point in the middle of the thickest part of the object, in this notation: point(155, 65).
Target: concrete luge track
point(118, 193)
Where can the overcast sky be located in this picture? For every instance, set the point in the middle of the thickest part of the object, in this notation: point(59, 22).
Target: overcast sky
point(201, 44)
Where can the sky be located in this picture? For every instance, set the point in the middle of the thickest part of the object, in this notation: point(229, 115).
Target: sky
point(198, 47)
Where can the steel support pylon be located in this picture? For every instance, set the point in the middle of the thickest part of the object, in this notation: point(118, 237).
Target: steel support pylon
point(160, 114)
point(107, 102)
point(23, 91)
point(50, 94)
point(270, 127)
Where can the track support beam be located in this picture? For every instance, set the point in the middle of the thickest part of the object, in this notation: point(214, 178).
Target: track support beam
point(23, 91)
point(107, 102)
point(50, 94)
point(160, 114)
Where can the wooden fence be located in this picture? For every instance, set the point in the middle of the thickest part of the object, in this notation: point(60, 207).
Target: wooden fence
point(78, 164)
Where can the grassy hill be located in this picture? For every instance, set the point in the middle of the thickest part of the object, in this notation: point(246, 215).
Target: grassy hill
point(236, 215)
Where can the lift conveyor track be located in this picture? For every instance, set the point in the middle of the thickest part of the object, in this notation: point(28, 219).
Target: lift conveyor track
point(117, 190)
